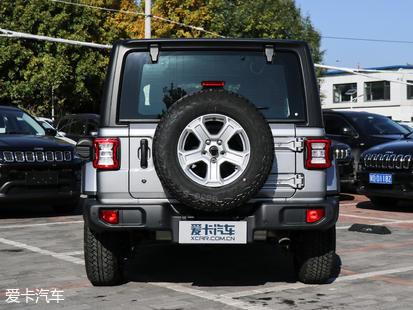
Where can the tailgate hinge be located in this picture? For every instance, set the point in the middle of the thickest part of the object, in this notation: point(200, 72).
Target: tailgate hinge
point(296, 182)
point(295, 145)
point(269, 53)
point(154, 52)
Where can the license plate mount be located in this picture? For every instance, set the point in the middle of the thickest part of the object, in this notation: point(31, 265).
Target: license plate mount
point(213, 232)
point(42, 178)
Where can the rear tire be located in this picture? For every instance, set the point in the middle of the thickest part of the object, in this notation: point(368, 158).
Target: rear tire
point(315, 258)
point(103, 257)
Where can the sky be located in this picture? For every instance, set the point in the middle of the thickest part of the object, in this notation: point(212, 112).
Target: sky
point(373, 19)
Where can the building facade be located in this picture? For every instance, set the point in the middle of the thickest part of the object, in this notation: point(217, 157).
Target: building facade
point(370, 92)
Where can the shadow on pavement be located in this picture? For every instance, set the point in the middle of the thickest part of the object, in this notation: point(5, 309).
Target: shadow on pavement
point(30, 210)
point(402, 206)
point(346, 197)
point(250, 265)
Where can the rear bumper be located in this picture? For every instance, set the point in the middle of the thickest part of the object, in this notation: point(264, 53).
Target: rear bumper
point(270, 217)
point(402, 187)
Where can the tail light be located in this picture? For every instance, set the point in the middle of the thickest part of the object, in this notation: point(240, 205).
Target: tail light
point(109, 216)
point(314, 215)
point(208, 84)
point(106, 153)
point(318, 153)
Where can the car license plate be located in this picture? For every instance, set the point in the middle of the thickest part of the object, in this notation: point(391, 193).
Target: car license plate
point(380, 178)
point(213, 232)
point(42, 178)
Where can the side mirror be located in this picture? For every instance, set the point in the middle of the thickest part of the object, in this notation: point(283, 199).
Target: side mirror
point(346, 131)
point(50, 132)
point(84, 149)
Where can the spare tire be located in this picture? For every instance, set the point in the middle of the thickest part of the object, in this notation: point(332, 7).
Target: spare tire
point(213, 150)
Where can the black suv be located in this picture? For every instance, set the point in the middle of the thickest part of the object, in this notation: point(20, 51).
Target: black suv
point(34, 165)
point(79, 126)
point(386, 173)
point(361, 131)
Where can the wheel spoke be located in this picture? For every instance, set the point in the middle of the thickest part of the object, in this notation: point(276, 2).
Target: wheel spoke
point(235, 158)
point(200, 132)
point(228, 131)
point(214, 176)
point(191, 157)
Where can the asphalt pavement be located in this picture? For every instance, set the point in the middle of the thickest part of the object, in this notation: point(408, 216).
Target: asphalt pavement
point(42, 267)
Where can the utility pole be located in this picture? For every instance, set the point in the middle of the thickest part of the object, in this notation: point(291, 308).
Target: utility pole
point(148, 18)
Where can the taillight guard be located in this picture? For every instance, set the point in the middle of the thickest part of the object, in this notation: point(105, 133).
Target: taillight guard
point(106, 153)
point(318, 153)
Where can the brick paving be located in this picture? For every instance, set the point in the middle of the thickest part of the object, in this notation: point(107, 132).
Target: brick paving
point(41, 250)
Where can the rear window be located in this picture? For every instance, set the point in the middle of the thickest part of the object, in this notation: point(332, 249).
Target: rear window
point(149, 89)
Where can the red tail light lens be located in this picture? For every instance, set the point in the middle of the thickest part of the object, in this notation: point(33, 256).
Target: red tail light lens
point(109, 216)
point(106, 153)
point(318, 153)
point(207, 84)
point(314, 215)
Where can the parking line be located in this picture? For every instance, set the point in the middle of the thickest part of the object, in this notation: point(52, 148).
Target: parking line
point(35, 249)
point(73, 253)
point(39, 224)
point(293, 286)
point(227, 299)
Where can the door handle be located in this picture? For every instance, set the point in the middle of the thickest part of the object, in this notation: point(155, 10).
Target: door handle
point(144, 152)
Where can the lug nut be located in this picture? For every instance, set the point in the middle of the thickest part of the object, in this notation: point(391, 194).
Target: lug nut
point(214, 160)
point(204, 152)
point(222, 152)
point(208, 141)
point(219, 142)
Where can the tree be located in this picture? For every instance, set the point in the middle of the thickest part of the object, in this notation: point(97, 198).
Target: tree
point(280, 19)
point(30, 71)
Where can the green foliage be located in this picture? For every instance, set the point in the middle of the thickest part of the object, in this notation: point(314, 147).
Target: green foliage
point(30, 70)
point(279, 19)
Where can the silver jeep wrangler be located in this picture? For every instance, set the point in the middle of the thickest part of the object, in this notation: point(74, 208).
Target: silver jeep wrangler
point(210, 142)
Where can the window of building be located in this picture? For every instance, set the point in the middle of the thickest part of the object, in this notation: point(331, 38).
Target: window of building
point(345, 92)
point(410, 90)
point(377, 91)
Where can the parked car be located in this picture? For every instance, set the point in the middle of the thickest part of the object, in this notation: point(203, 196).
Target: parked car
point(34, 164)
point(59, 134)
point(386, 173)
point(210, 142)
point(79, 126)
point(361, 130)
point(345, 161)
point(408, 126)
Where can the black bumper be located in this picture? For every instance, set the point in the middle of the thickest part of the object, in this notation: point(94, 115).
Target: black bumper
point(402, 187)
point(274, 217)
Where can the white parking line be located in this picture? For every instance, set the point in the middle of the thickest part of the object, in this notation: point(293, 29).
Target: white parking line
point(39, 224)
point(35, 249)
point(226, 299)
point(73, 253)
point(229, 301)
point(294, 286)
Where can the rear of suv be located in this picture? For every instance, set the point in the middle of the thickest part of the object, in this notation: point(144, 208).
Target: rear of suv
point(210, 142)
